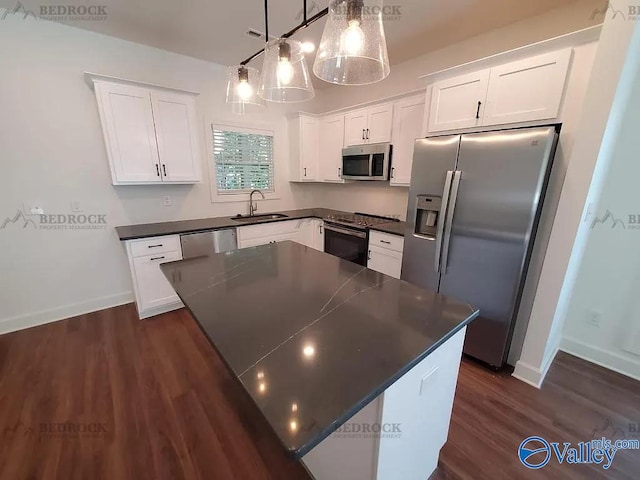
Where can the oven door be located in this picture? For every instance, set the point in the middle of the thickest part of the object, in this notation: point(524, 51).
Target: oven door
point(346, 243)
point(356, 166)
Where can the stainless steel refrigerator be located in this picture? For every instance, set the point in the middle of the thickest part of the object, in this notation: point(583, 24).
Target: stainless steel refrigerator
point(474, 206)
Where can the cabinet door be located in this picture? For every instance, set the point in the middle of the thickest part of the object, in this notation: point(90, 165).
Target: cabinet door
point(294, 236)
point(130, 138)
point(380, 124)
point(526, 90)
point(458, 102)
point(318, 235)
point(309, 148)
point(408, 116)
point(153, 288)
point(178, 146)
point(331, 144)
point(355, 128)
point(385, 261)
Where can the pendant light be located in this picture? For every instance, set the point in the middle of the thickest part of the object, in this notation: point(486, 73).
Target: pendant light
point(285, 76)
point(353, 49)
point(242, 89)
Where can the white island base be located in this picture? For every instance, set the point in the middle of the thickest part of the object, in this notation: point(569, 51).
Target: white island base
point(397, 436)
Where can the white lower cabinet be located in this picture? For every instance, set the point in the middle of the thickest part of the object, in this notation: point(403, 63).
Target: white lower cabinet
point(385, 253)
point(306, 231)
point(385, 261)
point(153, 293)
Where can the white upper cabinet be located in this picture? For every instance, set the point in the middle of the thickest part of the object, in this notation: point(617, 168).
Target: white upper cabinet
point(380, 124)
point(175, 120)
point(331, 144)
point(150, 134)
point(526, 90)
point(408, 116)
point(304, 133)
point(529, 89)
point(355, 128)
point(129, 131)
point(369, 125)
point(458, 102)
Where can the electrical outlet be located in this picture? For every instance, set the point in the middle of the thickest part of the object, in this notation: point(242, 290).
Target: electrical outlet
point(594, 318)
point(166, 201)
point(76, 206)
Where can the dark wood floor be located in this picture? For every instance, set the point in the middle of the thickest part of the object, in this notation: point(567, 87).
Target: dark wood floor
point(106, 396)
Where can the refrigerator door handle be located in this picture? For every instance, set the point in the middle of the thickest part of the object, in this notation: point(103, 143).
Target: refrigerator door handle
point(441, 222)
point(449, 221)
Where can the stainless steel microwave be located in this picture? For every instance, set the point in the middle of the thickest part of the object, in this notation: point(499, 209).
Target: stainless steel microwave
point(367, 162)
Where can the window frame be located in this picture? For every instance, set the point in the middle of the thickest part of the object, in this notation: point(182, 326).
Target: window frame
point(257, 129)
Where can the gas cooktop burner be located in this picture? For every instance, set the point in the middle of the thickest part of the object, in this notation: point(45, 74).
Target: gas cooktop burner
point(359, 220)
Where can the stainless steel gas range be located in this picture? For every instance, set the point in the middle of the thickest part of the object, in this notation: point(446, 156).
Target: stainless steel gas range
point(347, 235)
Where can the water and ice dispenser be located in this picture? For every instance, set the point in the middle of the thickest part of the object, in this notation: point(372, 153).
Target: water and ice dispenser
point(428, 215)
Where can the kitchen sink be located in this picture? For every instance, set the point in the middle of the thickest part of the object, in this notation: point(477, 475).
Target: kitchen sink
point(253, 218)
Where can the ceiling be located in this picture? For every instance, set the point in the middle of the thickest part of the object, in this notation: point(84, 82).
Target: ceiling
point(215, 30)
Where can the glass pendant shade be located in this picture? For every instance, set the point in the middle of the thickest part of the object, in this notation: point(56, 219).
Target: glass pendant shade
point(353, 49)
point(242, 89)
point(285, 76)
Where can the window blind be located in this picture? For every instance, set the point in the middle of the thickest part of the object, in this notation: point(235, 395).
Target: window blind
point(243, 161)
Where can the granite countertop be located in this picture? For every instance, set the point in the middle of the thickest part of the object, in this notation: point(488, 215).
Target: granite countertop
point(311, 349)
point(130, 232)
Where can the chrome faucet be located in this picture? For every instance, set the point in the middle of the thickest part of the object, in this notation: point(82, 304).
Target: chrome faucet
point(253, 207)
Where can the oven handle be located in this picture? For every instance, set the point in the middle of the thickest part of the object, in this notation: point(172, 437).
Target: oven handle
point(345, 231)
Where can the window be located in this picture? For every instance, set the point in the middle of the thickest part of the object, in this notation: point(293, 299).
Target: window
point(243, 160)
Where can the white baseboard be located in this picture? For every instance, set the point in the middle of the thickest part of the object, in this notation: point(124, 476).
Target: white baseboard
point(604, 358)
point(34, 319)
point(534, 376)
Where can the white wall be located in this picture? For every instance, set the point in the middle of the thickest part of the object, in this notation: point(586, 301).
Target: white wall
point(604, 103)
point(52, 151)
point(608, 276)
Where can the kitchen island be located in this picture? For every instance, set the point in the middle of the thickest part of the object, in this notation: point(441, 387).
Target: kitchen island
point(354, 371)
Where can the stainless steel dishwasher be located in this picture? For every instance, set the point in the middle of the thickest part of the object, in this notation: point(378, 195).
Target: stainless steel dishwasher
point(200, 244)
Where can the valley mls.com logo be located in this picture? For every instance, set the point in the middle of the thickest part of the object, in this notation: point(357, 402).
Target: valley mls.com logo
point(535, 452)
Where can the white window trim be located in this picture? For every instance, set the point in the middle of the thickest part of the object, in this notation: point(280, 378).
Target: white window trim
point(257, 128)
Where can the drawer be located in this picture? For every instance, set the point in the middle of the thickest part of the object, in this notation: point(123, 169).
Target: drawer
point(249, 232)
point(152, 246)
point(386, 240)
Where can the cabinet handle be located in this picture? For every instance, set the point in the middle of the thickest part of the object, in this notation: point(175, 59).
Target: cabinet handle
point(158, 169)
point(392, 171)
point(363, 133)
point(478, 111)
point(369, 255)
point(384, 241)
point(156, 246)
point(305, 171)
point(320, 229)
point(164, 169)
point(339, 173)
point(368, 134)
point(157, 258)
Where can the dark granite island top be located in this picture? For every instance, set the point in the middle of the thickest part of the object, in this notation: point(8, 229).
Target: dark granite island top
point(311, 337)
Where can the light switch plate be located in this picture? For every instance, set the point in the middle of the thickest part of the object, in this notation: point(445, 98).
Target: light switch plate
point(31, 207)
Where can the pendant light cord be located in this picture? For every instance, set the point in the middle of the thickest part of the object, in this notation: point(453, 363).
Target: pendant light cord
point(266, 21)
point(305, 23)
